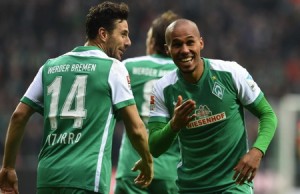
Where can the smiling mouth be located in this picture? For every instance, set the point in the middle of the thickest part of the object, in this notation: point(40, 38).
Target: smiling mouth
point(186, 59)
point(122, 51)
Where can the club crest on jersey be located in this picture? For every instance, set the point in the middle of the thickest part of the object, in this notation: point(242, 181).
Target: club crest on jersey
point(218, 90)
point(152, 102)
point(204, 117)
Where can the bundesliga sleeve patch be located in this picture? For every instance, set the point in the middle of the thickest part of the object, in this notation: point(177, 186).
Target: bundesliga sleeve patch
point(128, 81)
point(251, 83)
point(152, 102)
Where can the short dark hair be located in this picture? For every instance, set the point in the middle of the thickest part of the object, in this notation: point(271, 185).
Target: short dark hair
point(159, 26)
point(104, 15)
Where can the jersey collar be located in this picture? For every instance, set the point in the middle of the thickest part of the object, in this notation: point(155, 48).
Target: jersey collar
point(88, 51)
point(203, 77)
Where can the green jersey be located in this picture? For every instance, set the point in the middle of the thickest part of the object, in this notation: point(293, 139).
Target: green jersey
point(78, 94)
point(144, 71)
point(213, 143)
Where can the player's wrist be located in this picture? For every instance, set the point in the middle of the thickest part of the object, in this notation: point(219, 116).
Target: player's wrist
point(173, 127)
point(7, 168)
point(259, 152)
point(148, 158)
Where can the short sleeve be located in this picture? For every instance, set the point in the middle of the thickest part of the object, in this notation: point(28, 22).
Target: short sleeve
point(35, 90)
point(158, 109)
point(247, 89)
point(119, 82)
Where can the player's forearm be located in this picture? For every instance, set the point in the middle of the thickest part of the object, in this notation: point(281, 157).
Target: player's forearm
point(139, 140)
point(266, 131)
point(136, 131)
point(161, 137)
point(12, 145)
point(14, 137)
point(267, 124)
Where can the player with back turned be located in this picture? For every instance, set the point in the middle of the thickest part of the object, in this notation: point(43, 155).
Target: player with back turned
point(78, 94)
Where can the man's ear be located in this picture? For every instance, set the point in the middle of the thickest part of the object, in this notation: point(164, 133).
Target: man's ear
point(167, 50)
point(102, 33)
point(150, 46)
point(201, 43)
point(152, 43)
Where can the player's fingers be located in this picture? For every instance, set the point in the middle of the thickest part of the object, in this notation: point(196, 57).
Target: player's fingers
point(139, 178)
point(237, 172)
point(191, 117)
point(7, 191)
point(16, 189)
point(244, 175)
point(251, 177)
point(143, 183)
point(235, 175)
point(187, 108)
point(134, 168)
point(179, 101)
point(140, 182)
point(238, 169)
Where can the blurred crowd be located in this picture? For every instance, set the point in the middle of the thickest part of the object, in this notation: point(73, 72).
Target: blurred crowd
point(261, 35)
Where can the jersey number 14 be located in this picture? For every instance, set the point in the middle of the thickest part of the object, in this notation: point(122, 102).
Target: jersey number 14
point(76, 95)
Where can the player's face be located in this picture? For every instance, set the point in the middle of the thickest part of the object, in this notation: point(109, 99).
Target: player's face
point(119, 40)
point(184, 47)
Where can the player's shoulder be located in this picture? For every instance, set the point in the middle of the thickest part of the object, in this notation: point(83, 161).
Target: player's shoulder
point(168, 79)
point(223, 65)
point(136, 59)
point(157, 59)
point(89, 52)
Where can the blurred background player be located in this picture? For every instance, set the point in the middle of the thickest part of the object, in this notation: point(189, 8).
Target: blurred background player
point(144, 71)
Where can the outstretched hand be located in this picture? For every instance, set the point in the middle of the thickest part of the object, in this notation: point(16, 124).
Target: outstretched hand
point(181, 113)
point(8, 181)
point(146, 175)
point(247, 167)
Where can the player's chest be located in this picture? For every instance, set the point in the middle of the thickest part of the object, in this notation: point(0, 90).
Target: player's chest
point(214, 96)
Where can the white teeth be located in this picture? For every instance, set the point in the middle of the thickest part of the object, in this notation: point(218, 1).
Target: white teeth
point(186, 59)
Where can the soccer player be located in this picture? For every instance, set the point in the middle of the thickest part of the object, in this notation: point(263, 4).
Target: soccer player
point(202, 104)
point(78, 94)
point(144, 71)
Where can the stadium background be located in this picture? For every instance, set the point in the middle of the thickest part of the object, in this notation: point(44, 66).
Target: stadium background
point(261, 35)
